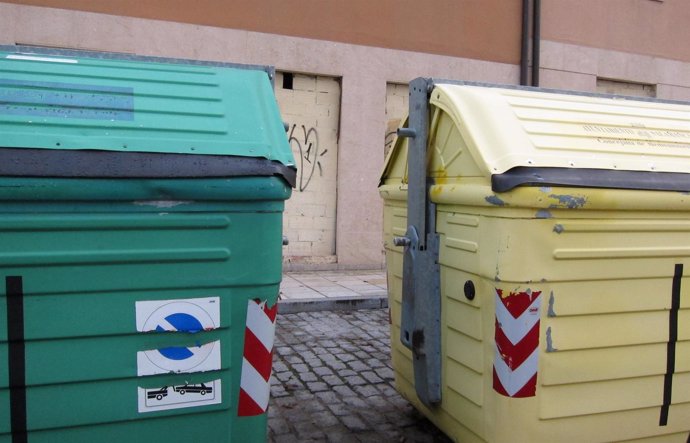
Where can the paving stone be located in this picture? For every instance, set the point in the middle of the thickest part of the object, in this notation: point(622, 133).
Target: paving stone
point(327, 397)
point(307, 355)
point(293, 359)
point(385, 373)
point(356, 403)
point(278, 426)
point(322, 371)
point(353, 423)
point(318, 350)
point(366, 391)
point(284, 350)
point(277, 390)
point(346, 357)
point(279, 366)
point(399, 402)
point(303, 396)
point(335, 365)
point(339, 409)
point(307, 431)
point(383, 357)
point(314, 362)
point(293, 385)
point(286, 438)
point(374, 418)
point(374, 363)
point(344, 391)
point(388, 391)
point(341, 435)
point(355, 380)
point(300, 367)
point(362, 355)
point(317, 386)
point(312, 406)
point(308, 377)
point(284, 376)
point(371, 377)
point(325, 419)
point(404, 420)
point(327, 357)
point(367, 437)
point(332, 381)
point(379, 402)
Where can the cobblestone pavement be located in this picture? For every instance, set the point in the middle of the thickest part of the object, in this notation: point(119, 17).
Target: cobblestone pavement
point(332, 381)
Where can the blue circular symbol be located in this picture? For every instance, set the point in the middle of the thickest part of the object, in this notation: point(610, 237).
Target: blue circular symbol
point(183, 323)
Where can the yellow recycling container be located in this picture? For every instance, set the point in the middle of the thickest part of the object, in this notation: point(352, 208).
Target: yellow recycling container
point(537, 247)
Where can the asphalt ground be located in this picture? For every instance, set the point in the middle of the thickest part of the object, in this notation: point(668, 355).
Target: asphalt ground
point(333, 381)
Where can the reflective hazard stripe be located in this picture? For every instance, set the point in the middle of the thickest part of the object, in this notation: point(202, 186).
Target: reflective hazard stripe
point(254, 385)
point(258, 355)
point(517, 343)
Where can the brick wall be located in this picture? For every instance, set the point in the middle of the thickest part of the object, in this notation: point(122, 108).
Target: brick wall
point(311, 106)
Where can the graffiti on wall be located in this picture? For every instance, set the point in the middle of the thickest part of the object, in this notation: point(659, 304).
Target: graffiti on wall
point(306, 143)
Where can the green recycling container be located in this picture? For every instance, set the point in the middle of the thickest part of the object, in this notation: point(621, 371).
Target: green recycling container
point(141, 206)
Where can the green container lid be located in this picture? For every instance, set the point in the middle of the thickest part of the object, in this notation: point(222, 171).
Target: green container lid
point(78, 104)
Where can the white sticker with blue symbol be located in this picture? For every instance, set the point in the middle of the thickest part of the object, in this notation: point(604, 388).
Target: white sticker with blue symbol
point(186, 316)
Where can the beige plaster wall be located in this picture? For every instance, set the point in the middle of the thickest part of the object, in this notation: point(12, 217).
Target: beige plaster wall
point(569, 66)
point(364, 73)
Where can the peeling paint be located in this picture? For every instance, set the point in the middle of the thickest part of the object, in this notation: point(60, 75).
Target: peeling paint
point(544, 213)
point(568, 201)
point(552, 300)
point(549, 341)
point(494, 200)
point(545, 189)
point(162, 203)
point(558, 228)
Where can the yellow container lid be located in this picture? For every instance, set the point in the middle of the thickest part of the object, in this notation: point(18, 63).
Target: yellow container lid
point(508, 128)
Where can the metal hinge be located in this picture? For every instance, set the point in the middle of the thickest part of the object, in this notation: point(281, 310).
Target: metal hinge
point(421, 296)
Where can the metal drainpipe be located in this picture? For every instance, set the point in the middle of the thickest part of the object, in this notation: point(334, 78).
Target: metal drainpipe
point(524, 45)
point(536, 39)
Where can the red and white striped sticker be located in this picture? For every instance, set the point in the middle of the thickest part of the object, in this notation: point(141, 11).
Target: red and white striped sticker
point(258, 357)
point(517, 343)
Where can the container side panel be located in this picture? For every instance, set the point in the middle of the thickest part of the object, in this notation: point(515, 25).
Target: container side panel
point(85, 267)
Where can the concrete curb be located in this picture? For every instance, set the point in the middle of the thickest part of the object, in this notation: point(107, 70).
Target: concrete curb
point(332, 304)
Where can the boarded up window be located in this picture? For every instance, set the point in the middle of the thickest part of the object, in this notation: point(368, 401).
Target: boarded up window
point(617, 87)
point(310, 105)
point(397, 107)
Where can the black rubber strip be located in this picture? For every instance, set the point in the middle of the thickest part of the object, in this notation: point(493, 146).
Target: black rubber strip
point(28, 162)
point(590, 178)
point(17, 358)
point(671, 346)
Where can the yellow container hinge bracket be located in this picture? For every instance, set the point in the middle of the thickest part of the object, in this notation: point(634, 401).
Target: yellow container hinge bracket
point(421, 297)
